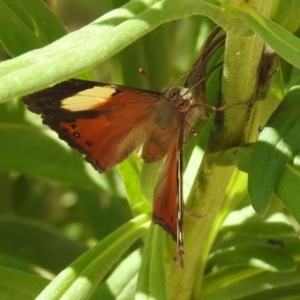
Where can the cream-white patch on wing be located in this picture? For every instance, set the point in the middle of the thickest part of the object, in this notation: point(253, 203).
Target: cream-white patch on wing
point(87, 99)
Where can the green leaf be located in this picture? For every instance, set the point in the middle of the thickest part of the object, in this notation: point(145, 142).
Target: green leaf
point(81, 278)
point(130, 172)
point(281, 41)
point(278, 143)
point(267, 258)
point(287, 189)
point(95, 43)
point(18, 285)
point(98, 208)
point(121, 284)
point(286, 14)
point(243, 283)
point(148, 178)
point(33, 21)
point(152, 276)
point(245, 221)
point(35, 244)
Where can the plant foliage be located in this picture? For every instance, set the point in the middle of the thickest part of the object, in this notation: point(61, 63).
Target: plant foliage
point(69, 233)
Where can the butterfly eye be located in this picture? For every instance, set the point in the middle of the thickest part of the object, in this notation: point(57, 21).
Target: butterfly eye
point(173, 94)
point(183, 106)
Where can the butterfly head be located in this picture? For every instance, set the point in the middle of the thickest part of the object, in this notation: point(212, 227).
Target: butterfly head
point(179, 97)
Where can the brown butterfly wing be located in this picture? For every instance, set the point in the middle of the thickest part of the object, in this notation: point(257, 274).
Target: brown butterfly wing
point(105, 122)
point(168, 195)
point(165, 195)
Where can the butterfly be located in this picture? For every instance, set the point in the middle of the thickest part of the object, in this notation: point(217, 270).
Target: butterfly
point(108, 122)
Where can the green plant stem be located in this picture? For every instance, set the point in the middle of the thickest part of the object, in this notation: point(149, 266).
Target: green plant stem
point(239, 84)
point(199, 232)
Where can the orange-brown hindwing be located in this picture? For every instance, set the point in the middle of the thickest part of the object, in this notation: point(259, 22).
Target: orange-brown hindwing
point(168, 196)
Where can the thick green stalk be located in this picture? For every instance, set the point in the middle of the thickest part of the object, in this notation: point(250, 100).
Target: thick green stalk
point(239, 84)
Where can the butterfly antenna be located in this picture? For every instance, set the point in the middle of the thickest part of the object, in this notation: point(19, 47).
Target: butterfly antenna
point(207, 50)
point(208, 74)
point(142, 71)
point(183, 75)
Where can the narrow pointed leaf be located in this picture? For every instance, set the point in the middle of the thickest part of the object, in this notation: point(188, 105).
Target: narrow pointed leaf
point(81, 278)
point(278, 143)
point(283, 42)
